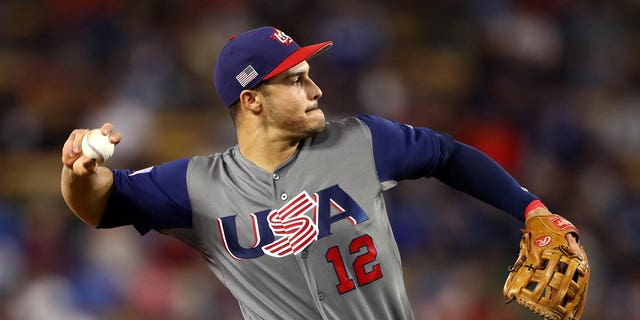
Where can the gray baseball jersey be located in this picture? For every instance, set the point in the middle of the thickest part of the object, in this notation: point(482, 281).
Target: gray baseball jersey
point(310, 240)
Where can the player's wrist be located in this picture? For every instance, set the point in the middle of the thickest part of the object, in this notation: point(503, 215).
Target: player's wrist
point(535, 209)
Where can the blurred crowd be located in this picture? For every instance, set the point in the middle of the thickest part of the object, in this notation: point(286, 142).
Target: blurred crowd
point(548, 88)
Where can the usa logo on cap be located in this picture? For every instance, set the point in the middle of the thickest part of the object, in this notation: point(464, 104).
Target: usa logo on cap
point(257, 55)
point(282, 37)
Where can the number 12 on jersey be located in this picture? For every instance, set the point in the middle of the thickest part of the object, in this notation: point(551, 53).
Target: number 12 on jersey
point(362, 244)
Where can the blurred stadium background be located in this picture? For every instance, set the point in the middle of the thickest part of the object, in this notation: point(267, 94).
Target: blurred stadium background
point(550, 89)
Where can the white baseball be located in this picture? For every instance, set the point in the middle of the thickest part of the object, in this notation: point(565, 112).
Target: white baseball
point(97, 146)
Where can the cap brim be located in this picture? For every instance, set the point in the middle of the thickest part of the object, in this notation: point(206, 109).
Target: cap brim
point(298, 56)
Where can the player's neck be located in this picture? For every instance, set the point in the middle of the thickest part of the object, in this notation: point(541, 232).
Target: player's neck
point(264, 151)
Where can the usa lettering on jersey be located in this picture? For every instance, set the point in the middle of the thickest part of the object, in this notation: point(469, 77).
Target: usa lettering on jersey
point(292, 224)
point(296, 229)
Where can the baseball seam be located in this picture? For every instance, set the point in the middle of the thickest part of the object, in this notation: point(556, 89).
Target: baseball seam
point(94, 148)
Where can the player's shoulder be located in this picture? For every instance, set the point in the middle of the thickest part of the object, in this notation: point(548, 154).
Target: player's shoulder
point(365, 123)
point(360, 120)
point(341, 126)
point(229, 159)
point(346, 124)
point(341, 131)
point(213, 158)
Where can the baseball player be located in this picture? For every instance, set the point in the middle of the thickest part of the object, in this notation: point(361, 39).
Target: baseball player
point(292, 219)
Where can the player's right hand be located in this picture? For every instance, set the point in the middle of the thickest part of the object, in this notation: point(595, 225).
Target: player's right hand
point(75, 160)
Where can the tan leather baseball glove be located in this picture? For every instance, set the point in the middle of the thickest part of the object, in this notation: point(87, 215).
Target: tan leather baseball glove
point(551, 275)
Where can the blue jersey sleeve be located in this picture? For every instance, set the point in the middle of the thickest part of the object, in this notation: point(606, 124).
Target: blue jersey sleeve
point(404, 152)
point(152, 198)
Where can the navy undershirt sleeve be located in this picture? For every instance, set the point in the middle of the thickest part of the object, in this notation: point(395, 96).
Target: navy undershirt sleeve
point(405, 152)
point(152, 198)
point(471, 171)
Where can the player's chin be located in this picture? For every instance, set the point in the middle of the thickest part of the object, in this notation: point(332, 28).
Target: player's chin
point(315, 124)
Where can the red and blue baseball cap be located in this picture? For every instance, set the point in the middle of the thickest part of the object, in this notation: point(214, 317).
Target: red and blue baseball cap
point(257, 55)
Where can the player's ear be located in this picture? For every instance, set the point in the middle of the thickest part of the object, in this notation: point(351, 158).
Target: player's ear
point(250, 100)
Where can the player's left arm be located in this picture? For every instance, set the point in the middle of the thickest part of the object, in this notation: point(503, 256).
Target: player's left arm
point(406, 152)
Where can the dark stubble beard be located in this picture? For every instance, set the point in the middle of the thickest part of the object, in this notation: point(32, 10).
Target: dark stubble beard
point(299, 130)
point(312, 132)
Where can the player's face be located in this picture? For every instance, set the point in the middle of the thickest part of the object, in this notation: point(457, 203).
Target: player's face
point(291, 103)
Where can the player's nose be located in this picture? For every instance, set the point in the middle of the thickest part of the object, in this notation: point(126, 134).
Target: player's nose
point(314, 91)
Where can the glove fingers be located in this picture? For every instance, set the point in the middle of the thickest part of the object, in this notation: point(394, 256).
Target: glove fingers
point(551, 274)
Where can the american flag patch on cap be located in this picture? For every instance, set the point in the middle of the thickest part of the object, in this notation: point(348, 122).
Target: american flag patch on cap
point(246, 75)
